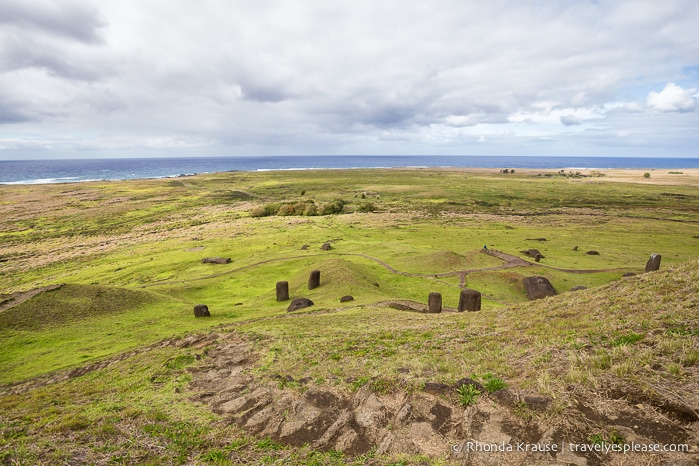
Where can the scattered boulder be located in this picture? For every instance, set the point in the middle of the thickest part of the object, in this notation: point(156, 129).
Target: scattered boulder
point(346, 299)
point(283, 291)
point(537, 258)
point(592, 253)
point(201, 310)
point(536, 239)
point(578, 288)
point(325, 247)
point(575, 248)
point(304, 247)
point(629, 274)
point(216, 260)
point(314, 279)
point(469, 300)
point(538, 287)
point(434, 303)
point(653, 263)
point(299, 303)
point(533, 253)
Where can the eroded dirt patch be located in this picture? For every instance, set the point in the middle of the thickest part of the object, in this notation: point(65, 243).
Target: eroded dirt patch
point(332, 417)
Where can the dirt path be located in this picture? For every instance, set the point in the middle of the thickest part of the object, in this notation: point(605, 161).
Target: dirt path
point(18, 298)
point(510, 261)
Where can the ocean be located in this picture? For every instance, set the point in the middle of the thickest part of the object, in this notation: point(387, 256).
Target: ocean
point(74, 170)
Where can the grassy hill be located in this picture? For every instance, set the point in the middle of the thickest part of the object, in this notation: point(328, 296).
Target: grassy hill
point(111, 367)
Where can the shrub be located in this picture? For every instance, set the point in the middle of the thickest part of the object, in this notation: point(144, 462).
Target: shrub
point(646, 175)
point(266, 211)
point(334, 207)
point(310, 210)
point(366, 207)
point(286, 209)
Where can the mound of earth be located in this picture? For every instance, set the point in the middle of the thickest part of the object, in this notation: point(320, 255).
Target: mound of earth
point(68, 303)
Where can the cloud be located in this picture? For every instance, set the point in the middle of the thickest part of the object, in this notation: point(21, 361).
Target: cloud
point(673, 98)
point(69, 19)
point(59, 38)
point(570, 120)
point(343, 77)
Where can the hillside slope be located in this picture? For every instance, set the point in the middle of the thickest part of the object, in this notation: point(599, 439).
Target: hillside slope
point(615, 365)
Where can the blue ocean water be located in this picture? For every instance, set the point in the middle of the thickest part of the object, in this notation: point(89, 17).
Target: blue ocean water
point(64, 171)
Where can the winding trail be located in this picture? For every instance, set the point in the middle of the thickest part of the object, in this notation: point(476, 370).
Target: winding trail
point(510, 261)
point(20, 297)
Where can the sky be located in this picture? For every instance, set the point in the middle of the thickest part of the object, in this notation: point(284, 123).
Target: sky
point(128, 78)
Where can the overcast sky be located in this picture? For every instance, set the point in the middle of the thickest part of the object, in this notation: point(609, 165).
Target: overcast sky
point(90, 78)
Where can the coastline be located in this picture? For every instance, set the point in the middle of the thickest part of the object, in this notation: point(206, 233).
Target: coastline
point(660, 176)
point(72, 171)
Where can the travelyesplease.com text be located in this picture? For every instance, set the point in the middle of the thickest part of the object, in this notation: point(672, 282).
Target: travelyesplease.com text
point(632, 447)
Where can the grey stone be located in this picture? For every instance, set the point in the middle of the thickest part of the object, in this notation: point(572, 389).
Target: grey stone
point(538, 287)
point(201, 310)
point(533, 253)
point(314, 280)
point(299, 303)
point(469, 300)
point(347, 298)
point(434, 303)
point(325, 247)
point(282, 291)
point(653, 263)
point(216, 260)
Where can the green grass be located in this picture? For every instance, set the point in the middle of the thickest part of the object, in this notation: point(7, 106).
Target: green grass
point(129, 254)
point(135, 248)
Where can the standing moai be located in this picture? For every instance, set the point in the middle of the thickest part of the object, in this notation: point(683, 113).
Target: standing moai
point(469, 300)
point(653, 263)
point(434, 303)
point(314, 280)
point(282, 291)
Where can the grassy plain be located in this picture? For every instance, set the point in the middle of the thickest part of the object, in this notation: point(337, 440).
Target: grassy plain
point(129, 255)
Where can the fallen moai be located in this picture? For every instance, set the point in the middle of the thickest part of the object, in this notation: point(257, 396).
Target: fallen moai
point(201, 310)
point(216, 260)
point(538, 287)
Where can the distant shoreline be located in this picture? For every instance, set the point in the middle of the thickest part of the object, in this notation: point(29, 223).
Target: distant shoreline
point(657, 175)
point(72, 171)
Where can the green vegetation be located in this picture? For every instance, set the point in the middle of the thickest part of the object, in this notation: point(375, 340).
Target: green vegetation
point(493, 383)
point(129, 256)
point(468, 394)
